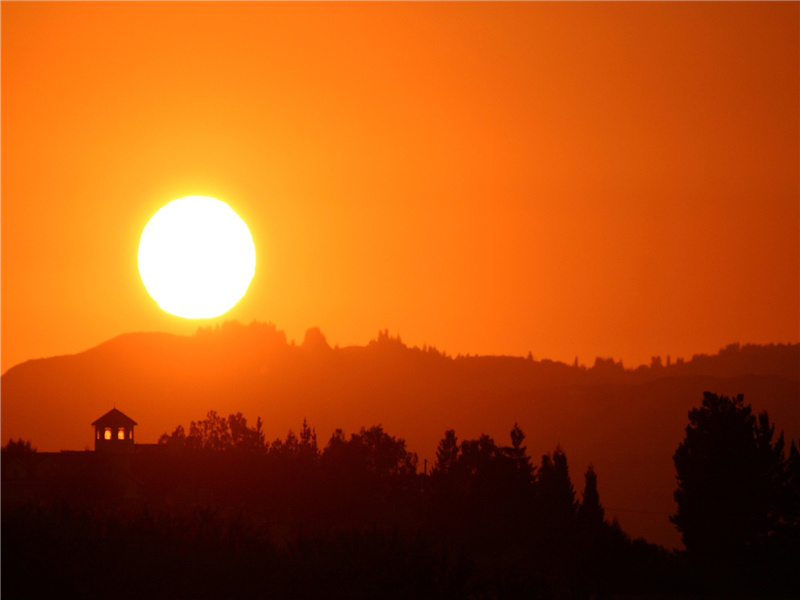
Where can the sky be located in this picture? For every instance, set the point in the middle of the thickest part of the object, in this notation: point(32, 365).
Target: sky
point(566, 179)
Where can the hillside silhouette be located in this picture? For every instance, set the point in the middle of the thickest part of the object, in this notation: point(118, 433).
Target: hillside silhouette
point(626, 422)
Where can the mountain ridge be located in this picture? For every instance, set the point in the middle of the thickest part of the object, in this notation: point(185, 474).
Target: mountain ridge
point(627, 422)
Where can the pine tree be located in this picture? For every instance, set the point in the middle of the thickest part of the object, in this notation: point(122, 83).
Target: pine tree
point(556, 496)
point(790, 499)
point(446, 453)
point(591, 513)
point(518, 453)
point(729, 477)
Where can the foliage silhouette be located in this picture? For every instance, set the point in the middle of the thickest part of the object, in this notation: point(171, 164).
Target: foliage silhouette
point(248, 368)
point(591, 513)
point(518, 453)
point(726, 468)
point(222, 513)
point(446, 454)
point(735, 501)
point(556, 496)
point(217, 433)
point(18, 446)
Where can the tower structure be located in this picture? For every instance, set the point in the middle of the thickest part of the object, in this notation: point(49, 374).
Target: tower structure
point(113, 433)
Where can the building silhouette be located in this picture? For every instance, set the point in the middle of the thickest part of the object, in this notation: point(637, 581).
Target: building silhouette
point(113, 433)
point(81, 476)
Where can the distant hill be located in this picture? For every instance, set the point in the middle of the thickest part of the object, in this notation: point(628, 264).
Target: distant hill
point(626, 422)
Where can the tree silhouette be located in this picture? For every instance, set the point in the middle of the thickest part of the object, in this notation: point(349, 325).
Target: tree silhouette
point(730, 475)
point(216, 433)
point(554, 513)
point(385, 454)
point(308, 438)
point(791, 497)
point(175, 441)
point(518, 453)
point(446, 454)
point(352, 520)
point(18, 446)
point(556, 495)
point(595, 548)
point(243, 437)
point(591, 513)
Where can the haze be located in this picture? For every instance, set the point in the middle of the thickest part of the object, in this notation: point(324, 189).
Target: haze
point(566, 179)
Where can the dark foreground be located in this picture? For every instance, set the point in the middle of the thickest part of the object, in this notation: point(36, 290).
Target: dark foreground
point(219, 513)
point(78, 553)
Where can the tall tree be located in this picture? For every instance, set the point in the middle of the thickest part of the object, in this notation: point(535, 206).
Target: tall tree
point(556, 496)
point(446, 453)
point(791, 496)
point(519, 454)
point(590, 512)
point(729, 477)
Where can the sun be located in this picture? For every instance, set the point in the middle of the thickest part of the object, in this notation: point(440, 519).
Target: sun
point(196, 257)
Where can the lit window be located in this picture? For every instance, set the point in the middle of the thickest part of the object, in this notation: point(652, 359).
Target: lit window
point(98, 434)
point(108, 433)
point(120, 434)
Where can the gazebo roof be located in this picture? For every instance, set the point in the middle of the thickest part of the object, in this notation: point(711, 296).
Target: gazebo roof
point(114, 418)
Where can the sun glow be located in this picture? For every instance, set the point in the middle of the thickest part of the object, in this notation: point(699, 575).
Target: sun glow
point(196, 257)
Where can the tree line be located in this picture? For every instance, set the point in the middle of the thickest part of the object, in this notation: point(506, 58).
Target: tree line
point(356, 518)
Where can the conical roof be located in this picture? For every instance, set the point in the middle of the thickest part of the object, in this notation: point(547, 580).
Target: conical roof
point(114, 418)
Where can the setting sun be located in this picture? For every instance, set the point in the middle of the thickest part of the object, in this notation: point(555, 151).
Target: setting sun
point(490, 236)
point(196, 257)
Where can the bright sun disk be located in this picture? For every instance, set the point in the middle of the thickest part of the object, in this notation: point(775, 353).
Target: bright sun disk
point(196, 257)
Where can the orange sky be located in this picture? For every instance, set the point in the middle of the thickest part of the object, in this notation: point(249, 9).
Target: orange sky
point(570, 179)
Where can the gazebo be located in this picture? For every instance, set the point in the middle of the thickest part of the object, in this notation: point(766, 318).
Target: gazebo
point(113, 432)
